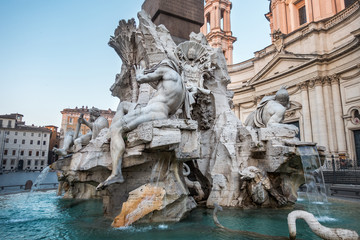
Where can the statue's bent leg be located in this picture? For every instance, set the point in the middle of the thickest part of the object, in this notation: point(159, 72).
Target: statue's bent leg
point(117, 149)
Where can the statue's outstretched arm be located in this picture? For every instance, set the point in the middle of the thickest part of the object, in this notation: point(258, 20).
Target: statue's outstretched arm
point(83, 121)
point(150, 77)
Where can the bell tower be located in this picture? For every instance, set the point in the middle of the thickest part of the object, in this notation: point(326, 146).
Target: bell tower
point(217, 27)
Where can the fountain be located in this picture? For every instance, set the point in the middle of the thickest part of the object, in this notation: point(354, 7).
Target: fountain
point(40, 179)
point(175, 114)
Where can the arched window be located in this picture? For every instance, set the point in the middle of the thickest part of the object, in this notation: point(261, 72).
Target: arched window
point(208, 27)
point(222, 19)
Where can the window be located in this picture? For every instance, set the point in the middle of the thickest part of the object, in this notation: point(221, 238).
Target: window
point(71, 120)
point(43, 153)
point(1, 122)
point(45, 135)
point(22, 153)
point(37, 153)
point(39, 135)
point(7, 140)
point(32, 134)
point(15, 140)
point(36, 162)
point(4, 162)
point(5, 152)
point(42, 162)
point(24, 134)
point(38, 142)
point(31, 141)
point(29, 162)
point(302, 15)
point(9, 124)
point(14, 152)
point(30, 153)
point(222, 19)
point(16, 133)
point(44, 142)
point(12, 161)
point(23, 141)
point(348, 3)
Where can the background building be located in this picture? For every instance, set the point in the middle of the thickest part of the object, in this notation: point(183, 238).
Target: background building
point(217, 27)
point(22, 147)
point(54, 142)
point(315, 51)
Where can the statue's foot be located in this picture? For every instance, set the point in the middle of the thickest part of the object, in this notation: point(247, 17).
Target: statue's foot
point(110, 180)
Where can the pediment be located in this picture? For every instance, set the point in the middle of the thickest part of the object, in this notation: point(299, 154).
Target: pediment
point(280, 64)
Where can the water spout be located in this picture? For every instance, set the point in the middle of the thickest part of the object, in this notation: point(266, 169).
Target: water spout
point(40, 179)
point(314, 178)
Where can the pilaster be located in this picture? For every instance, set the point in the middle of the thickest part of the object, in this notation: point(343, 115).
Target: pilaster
point(329, 113)
point(321, 121)
point(306, 112)
point(338, 113)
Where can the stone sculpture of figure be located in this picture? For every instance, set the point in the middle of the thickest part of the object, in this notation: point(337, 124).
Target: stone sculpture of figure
point(257, 184)
point(96, 123)
point(271, 110)
point(168, 98)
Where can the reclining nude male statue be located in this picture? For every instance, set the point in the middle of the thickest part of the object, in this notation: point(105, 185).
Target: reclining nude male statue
point(96, 124)
point(271, 111)
point(169, 97)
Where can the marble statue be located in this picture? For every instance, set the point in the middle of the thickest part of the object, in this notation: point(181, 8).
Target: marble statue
point(257, 184)
point(271, 110)
point(96, 124)
point(168, 98)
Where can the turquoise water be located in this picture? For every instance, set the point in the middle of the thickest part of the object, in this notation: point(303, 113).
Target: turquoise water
point(43, 215)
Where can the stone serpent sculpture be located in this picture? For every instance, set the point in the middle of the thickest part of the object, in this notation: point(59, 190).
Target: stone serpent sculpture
point(317, 228)
point(323, 232)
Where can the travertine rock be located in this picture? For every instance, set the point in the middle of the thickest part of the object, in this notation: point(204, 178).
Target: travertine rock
point(141, 201)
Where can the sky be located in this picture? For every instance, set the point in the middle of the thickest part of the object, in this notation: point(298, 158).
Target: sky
point(54, 53)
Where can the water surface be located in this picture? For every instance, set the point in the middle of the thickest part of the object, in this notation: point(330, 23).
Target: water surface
point(43, 215)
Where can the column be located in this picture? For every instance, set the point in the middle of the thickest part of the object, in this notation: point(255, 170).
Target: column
point(227, 25)
point(329, 114)
point(339, 122)
point(313, 112)
point(306, 112)
point(283, 22)
point(321, 113)
point(293, 15)
point(217, 15)
point(309, 10)
point(212, 18)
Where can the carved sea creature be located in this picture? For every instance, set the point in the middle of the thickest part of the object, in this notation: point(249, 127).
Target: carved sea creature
point(317, 228)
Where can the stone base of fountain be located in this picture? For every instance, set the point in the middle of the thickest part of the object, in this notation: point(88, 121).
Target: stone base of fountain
point(155, 154)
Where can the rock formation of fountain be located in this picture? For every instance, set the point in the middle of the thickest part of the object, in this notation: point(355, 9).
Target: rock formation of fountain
point(227, 163)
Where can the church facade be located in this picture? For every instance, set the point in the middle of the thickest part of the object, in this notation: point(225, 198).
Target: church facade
point(315, 52)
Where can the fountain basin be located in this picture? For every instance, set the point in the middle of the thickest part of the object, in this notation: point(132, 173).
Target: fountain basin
point(45, 215)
